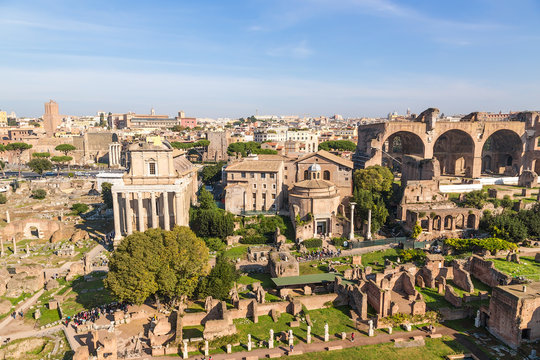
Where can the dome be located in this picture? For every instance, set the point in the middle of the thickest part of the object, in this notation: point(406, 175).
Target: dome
point(315, 167)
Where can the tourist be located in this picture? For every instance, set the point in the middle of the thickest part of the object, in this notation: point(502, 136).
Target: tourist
point(291, 347)
point(352, 337)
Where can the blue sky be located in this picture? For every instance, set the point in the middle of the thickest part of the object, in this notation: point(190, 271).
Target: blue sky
point(229, 58)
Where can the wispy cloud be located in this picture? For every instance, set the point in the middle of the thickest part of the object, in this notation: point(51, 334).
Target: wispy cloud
point(300, 50)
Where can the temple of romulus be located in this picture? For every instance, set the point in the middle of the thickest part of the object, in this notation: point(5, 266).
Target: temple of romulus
point(476, 144)
point(156, 191)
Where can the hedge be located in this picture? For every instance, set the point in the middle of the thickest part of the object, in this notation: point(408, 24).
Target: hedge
point(312, 243)
point(490, 244)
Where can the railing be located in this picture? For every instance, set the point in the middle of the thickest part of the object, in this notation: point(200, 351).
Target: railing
point(364, 244)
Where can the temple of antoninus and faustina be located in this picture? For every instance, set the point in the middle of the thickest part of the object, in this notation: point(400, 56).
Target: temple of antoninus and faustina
point(156, 191)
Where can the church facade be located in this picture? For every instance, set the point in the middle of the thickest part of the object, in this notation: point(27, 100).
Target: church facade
point(156, 191)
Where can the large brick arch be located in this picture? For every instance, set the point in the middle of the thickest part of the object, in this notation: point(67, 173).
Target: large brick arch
point(478, 126)
point(503, 149)
point(455, 151)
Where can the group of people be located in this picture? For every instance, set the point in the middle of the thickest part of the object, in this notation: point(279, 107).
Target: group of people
point(94, 314)
point(20, 314)
point(319, 254)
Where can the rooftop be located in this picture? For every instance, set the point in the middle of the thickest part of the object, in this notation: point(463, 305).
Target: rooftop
point(305, 279)
point(532, 290)
point(255, 165)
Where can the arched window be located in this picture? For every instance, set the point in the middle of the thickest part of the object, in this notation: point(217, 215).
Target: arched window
point(448, 222)
point(151, 166)
point(437, 223)
point(471, 221)
point(326, 175)
point(306, 175)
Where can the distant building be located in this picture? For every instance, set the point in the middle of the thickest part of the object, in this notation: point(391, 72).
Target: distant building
point(51, 119)
point(3, 119)
point(187, 122)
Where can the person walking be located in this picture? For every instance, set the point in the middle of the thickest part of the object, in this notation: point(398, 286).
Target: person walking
point(352, 337)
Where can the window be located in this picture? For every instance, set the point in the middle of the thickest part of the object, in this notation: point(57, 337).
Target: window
point(306, 176)
point(152, 168)
point(263, 175)
point(273, 196)
point(254, 186)
point(326, 175)
point(252, 175)
point(272, 176)
point(243, 175)
point(274, 186)
point(264, 186)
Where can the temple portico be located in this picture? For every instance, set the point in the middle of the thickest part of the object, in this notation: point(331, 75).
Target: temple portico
point(153, 194)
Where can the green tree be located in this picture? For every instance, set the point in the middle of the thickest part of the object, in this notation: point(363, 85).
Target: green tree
point(374, 178)
point(2, 163)
point(417, 230)
point(475, 199)
point(17, 148)
point(343, 145)
point(507, 202)
point(178, 128)
point(202, 143)
point(61, 160)
point(221, 279)
point(42, 155)
point(182, 145)
point(39, 165)
point(106, 194)
point(39, 194)
point(206, 200)
point(66, 149)
point(157, 262)
point(212, 173)
point(79, 208)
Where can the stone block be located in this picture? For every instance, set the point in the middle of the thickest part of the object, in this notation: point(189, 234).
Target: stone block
point(333, 348)
point(294, 324)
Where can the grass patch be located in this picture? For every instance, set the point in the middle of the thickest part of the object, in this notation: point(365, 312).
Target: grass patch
point(337, 318)
point(239, 251)
point(306, 268)
point(15, 301)
point(433, 299)
point(435, 349)
point(264, 279)
point(528, 268)
point(376, 259)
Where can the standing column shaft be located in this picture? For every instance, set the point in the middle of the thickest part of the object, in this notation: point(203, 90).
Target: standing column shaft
point(129, 214)
point(155, 223)
point(179, 208)
point(351, 234)
point(140, 211)
point(166, 217)
point(116, 211)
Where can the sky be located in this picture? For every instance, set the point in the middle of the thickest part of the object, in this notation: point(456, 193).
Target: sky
point(291, 57)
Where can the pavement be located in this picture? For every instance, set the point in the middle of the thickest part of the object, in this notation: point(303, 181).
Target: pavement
point(22, 307)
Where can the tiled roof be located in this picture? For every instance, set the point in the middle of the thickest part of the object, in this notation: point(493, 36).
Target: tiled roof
point(255, 165)
point(329, 156)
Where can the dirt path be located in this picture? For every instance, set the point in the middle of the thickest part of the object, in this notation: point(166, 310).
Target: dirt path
point(22, 307)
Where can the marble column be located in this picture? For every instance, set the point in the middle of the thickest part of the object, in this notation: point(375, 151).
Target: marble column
point(155, 221)
point(14, 245)
point(351, 234)
point(2, 253)
point(166, 217)
point(178, 214)
point(140, 211)
point(116, 211)
point(129, 213)
point(8, 219)
point(368, 232)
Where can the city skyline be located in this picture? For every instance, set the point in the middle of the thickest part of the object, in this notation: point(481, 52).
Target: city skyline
point(357, 58)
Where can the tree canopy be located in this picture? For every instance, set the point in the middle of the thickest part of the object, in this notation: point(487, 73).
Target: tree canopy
point(189, 145)
point(220, 280)
point(65, 148)
point(39, 165)
point(208, 220)
point(245, 148)
point(212, 173)
point(374, 178)
point(157, 262)
point(372, 191)
point(343, 145)
point(17, 148)
point(41, 155)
